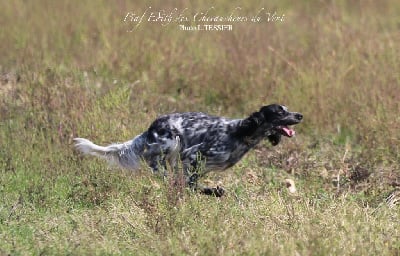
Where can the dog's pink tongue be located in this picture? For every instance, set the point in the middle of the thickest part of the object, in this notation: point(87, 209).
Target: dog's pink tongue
point(289, 132)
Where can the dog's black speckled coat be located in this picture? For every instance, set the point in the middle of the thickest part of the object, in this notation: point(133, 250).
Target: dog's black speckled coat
point(194, 138)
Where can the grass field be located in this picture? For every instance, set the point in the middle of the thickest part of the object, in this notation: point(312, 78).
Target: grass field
point(72, 68)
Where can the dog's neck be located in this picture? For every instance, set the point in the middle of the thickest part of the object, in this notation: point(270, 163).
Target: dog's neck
point(253, 139)
point(253, 129)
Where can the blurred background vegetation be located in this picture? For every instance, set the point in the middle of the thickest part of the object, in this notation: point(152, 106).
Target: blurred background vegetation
point(335, 61)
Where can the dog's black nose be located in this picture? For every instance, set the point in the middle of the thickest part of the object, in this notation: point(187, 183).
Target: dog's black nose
point(299, 116)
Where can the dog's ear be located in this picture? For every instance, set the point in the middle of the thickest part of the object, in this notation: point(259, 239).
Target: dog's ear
point(249, 125)
point(258, 118)
point(253, 121)
point(274, 139)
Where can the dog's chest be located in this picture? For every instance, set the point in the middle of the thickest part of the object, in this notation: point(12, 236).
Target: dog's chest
point(239, 150)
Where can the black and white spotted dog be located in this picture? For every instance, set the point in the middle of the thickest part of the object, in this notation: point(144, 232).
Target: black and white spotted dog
point(201, 142)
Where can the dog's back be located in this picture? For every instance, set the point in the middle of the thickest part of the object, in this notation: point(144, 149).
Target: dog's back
point(193, 128)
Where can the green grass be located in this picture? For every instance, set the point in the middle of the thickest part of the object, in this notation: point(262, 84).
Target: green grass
point(71, 69)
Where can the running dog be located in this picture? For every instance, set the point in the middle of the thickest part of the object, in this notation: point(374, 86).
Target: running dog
point(200, 141)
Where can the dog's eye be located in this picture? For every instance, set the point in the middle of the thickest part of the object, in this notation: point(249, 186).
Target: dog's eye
point(282, 110)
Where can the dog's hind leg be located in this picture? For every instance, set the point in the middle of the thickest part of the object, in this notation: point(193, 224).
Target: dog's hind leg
point(174, 150)
point(162, 153)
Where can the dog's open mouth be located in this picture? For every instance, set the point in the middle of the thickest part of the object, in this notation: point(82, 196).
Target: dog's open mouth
point(286, 131)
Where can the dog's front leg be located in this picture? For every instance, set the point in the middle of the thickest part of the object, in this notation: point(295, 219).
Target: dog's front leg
point(211, 191)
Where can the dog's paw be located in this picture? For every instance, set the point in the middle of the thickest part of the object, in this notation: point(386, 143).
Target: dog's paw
point(219, 191)
point(214, 191)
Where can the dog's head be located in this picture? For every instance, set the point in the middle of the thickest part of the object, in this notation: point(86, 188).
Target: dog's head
point(278, 119)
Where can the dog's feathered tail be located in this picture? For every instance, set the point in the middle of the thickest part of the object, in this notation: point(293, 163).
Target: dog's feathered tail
point(127, 155)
